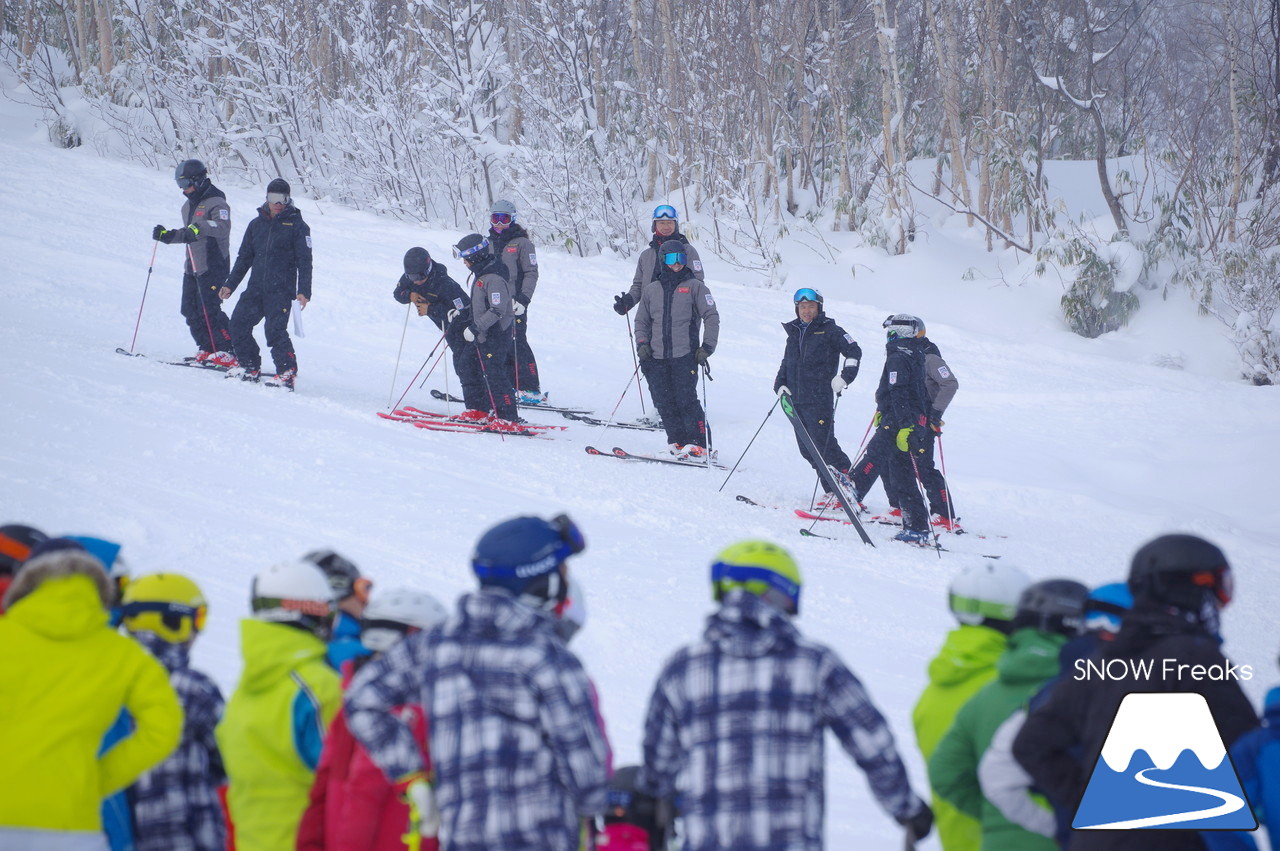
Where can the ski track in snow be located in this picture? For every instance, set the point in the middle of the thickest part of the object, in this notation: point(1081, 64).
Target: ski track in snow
point(1077, 450)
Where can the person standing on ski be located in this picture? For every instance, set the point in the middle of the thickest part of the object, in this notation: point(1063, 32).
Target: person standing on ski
point(673, 308)
point(511, 244)
point(489, 324)
point(206, 235)
point(434, 294)
point(277, 246)
point(813, 374)
point(666, 226)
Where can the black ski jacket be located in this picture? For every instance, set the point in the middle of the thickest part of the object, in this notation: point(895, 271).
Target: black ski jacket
point(279, 252)
point(441, 292)
point(812, 358)
point(902, 398)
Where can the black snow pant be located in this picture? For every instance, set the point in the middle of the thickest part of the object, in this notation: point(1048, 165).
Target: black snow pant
point(934, 484)
point(819, 421)
point(900, 485)
point(467, 366)
point(492, 356)
point(202, 309)
point(874, 464)
point(522, 366)
point(254, 306)
point(673, 384)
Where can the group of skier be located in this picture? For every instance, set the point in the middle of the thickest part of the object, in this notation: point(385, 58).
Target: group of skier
point(367, 720)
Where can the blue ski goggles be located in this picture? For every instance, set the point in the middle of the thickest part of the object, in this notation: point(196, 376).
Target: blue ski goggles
point(807, 294)
point(482, 245)
point(674, 257)
point(665, 211)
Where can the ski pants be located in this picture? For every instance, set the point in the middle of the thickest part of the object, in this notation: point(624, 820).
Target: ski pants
point(819, 421)
point(874, 464)
point(492, 354)
point(934, 484)
point(202, 309)
point(254, 306)
point(900, 485)
point(673, 384)
point(467, 366)
point(522, 366)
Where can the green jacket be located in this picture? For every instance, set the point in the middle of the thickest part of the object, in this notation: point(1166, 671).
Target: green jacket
point(1031, 659)
point(966, 662)
point(271, 732)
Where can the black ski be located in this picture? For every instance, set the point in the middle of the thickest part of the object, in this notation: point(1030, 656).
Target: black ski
point(448, 397)
point(596, 421)
point(827, 474)
point(192, 362)
point(652, 459)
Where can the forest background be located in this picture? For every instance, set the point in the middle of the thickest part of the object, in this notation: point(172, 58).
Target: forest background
point(766, 122)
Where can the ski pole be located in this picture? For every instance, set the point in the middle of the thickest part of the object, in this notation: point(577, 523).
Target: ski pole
point(636, 363)
point(626, 389)
point(493, 404)
point(396, 372)
point(448, 392)
point(409, 386)
point(145, 287)
point(706, 421)
point(433, 351)
point(213, 344)
point(937, 545)
point(753, 440)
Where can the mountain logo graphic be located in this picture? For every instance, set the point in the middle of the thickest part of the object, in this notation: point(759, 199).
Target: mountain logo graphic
point(1164, 766)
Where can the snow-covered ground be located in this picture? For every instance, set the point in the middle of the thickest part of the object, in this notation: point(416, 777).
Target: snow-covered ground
point(1077, 450)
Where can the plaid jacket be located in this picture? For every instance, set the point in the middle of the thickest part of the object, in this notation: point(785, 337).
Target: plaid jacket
point(736, 725)
point(518, 754)
point(175, 804)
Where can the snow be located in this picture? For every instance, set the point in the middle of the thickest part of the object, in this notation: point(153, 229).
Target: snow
point(1078, 450)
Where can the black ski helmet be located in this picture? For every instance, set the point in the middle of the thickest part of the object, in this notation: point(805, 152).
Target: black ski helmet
point(16, 542)
point(673, 246)
point(1053, 605)
point(417, 263)
point(472, 249)
point(190, 173)
point(1177, 570)
point(340, 572)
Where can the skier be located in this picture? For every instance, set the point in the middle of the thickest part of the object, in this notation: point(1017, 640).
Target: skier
point(1256, 756)
point(984, 598)
point(175, 805)
point(65, 676)
point(437, 296)
point(810, 373)
point(666, 226)
point(489, 324)
point(206, 234)
point(518, 754)
point(16, 541)
point(736, 721)
point(635, 821)
point(940, 386)
point(351, 591)
point(274, 724)
point(1180, 584)
point(511, 243)
point(673, 307)
point(354, 807)
point(277, 245)
point(1050, 613)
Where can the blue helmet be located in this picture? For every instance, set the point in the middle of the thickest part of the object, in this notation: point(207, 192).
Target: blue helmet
point(1106, 607)
point(523, 556)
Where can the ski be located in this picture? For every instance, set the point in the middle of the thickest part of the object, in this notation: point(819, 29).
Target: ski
point(409, 411)
point(809, 533)
point(809, 515)
point(890, 520)
point(447, 397)
point(189, 362)
point(460, 428)
point(827, 474)
point(596, 421)
point(624, 455)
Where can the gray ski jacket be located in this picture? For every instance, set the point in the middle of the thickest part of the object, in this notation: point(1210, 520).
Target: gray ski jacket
point(210, 242)
point(491, 302)
point(647, 266)
point(518, 255)
point(672, 310)
point(939, 380)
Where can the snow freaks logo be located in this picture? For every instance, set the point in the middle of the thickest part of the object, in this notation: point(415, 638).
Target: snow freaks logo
point(1163, 766)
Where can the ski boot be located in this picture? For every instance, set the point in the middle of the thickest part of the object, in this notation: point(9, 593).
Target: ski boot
point(913, 536)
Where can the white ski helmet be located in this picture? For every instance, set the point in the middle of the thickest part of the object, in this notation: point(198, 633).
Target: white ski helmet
point(295, 592)
point(503, 206)
point(987, 593)
point(391, 614)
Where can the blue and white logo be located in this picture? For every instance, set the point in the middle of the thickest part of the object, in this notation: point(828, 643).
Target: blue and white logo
point(1164, 766)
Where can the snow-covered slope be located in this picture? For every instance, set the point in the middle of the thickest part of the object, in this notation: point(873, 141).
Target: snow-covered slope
point(1077, 450)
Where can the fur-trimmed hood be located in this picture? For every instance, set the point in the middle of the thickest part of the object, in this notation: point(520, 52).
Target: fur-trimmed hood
point(56, 565)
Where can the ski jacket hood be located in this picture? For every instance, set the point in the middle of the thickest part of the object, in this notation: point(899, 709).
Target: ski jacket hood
point(272, 650)
point(1032, 657)
point(492, 613)
point(969, 651)
point(749, 627)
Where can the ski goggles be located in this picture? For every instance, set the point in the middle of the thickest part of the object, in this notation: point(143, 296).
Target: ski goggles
point(361, 588)
point(463, 253)
point(277, 198)
point(171, 614)
point(185, 182)
point(666, 211)
point(569, 532)
point(807, 294)
point(672, 258)
point(501, 218)
point(1219, 580)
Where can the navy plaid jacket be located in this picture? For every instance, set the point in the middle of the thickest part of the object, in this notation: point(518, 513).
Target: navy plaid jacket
point(736, 725)
point(516, 747)
point(175, 804)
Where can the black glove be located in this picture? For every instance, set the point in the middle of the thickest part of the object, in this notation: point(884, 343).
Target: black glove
point(622, 303)
point(702, 354)
point(920, 823)
point(644, 351)
point(936, 423)
point(159, 234)
point(918, 438)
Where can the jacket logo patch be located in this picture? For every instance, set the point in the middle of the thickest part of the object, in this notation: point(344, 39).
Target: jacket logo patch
point(696, 265)
point(710, 301)
point(308, 240)
point(944, 372)
point(848, 338)
point(893, 378)
point(457, 302)
point(533, 259)
point(199, 212)
point(225, 215)
point(512, 249)
point(495, 299)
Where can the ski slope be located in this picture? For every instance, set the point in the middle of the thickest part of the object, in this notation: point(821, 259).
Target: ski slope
point(1077, 450)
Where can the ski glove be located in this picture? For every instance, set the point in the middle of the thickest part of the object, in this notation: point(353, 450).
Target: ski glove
point(702, 354)
point(911, 439)
point(920, 823)
point(159, 234)
point(622, 303)
point(517, 307)
point(469, 334)
point(782, 390)
point(936, 424)
point(415, 791)
point(838, 384)
point(875, 421)
point(452, 315)
point(644, 351)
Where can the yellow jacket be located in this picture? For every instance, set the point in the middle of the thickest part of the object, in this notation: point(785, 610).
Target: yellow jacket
point(272, 730)
point(64, 677)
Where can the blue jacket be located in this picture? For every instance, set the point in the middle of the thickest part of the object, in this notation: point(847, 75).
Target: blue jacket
point(279, 251)
point(1256, 756)
point(345, 644)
